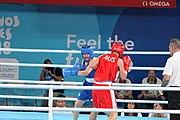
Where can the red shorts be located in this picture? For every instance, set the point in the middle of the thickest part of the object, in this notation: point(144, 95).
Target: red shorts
point(104, 98)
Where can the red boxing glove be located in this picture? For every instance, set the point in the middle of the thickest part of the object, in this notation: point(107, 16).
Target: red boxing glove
point(127, 61)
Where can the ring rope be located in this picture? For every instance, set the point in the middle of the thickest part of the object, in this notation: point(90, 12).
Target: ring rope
point(63, 66)
point(78, 51)
point(72, 83)
point(35, 65)
point(87, 87)
point(74, 99)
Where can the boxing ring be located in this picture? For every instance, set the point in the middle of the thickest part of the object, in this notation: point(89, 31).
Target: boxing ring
point(50, 113)
point(9, 115)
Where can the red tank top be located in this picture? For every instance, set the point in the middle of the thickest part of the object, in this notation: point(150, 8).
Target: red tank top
point(107, 68)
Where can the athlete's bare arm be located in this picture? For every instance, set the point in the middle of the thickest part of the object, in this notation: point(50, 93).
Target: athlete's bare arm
point(94, 64)
point(123, 73)
point(87, 70)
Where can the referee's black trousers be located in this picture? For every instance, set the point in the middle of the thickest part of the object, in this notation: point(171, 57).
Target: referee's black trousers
point(173, 98)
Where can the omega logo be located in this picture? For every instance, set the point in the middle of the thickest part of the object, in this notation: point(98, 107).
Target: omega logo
point(158, 3)
point(145, 3)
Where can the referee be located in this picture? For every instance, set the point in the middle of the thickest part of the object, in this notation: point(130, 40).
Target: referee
point(171, 77)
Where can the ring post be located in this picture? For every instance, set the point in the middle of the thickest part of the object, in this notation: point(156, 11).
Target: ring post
point(50, 103)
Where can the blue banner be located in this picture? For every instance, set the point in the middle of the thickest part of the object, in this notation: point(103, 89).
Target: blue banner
point(70, 27)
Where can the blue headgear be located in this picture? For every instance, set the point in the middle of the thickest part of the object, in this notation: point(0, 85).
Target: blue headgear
point(87, 50)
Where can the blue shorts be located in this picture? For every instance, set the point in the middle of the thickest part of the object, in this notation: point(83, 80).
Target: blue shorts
point(85, 94)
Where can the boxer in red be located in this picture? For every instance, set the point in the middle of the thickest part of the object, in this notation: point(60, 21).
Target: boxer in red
point(107, 67)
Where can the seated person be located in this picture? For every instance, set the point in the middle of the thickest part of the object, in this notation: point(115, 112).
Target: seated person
point(61, 104)
point(131, 105)
point(123, 94)
point(151, 94)
point(157, 106)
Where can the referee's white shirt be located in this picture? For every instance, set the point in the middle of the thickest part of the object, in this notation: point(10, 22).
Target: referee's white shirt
point(172, 68)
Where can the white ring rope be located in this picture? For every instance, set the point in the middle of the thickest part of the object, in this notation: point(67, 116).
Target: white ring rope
point(89, 109)
point(63, 66)
point(87, 87)
point(72, 83)
point(74, 99)
point(78, 51)
point(35, 65)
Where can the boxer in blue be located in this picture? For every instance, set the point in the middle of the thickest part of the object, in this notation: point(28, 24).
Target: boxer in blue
point(83, 70)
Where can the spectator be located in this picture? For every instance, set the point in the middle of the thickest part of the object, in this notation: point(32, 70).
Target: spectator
point(123, 94)
point(151, 94)
point(157, 106)
point(51, 74)
point(131, 105)
point(61, 104)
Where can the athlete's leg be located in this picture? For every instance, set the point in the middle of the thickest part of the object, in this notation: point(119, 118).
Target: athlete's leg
point(93, 115)
point(113, 116)
point(78, 104)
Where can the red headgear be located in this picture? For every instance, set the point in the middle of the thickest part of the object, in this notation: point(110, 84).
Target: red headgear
point(118, 47)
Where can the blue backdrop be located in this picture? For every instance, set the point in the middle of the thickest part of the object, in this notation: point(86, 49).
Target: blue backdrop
point(69, 27)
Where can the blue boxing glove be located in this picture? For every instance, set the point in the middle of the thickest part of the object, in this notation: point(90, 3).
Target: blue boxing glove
point(70, 72)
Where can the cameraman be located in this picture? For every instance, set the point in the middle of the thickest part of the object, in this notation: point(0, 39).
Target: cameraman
point(51, 74)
